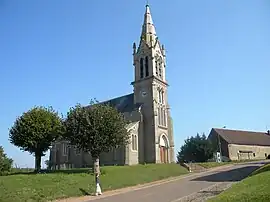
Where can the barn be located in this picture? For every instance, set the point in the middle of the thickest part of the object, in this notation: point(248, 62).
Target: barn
point(240, 144)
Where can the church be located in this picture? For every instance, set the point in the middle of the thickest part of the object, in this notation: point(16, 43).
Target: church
point(147, 109)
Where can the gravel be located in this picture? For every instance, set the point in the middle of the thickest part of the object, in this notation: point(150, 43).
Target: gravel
point(207, 193)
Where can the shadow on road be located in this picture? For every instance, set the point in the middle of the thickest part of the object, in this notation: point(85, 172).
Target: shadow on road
point(229, 176)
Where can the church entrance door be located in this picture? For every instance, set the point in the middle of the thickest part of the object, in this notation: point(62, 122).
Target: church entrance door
point(163, 146)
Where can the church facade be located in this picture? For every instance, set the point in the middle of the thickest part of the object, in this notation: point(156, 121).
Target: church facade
point(147, 109)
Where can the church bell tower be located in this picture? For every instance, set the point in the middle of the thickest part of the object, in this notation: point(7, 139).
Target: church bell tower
point(150, 90)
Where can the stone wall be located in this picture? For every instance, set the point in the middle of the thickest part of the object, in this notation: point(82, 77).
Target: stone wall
point(258, 152)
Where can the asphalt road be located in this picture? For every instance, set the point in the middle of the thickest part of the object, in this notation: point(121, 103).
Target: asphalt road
point(174, 191)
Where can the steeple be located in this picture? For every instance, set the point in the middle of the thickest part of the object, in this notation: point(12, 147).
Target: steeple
point(148, 29)
point(149, 57)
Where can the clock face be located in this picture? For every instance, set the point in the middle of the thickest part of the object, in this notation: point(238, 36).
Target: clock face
point(143, 93)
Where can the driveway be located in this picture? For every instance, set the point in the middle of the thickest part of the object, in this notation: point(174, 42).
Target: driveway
point(176, 190)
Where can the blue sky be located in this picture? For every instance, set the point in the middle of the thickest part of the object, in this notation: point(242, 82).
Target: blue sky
point(65, 52)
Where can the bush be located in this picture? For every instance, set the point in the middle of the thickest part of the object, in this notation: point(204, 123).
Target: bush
point(5, 162)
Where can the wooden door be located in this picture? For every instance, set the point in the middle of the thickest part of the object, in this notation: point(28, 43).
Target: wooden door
point(162, 154)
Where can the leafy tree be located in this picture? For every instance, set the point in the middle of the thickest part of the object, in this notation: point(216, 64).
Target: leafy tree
point(35, 130)
point(96, 129)
point(198, 149)
point(5, 162)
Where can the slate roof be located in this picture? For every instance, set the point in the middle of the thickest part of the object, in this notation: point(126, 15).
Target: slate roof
point(130, 125)
point(243, 137)
point(124, 103)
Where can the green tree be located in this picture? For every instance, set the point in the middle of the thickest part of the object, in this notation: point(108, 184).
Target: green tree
point(96, 129)
point(198, 149)
point(35, 130)
point(5, 162)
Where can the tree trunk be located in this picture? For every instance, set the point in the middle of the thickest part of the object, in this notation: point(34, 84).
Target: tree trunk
point(38, 162)
point(96, 169)
point(96, 166)
point(97, 176)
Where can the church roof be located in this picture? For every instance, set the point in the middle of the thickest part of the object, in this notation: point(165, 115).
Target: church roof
point(132, 124)
point(243, 137)
point(124, 103)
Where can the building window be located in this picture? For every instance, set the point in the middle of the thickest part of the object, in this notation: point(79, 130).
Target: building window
point(77, 151)
point(160, 70)
point(254, 154)
point(159, 96)
point(146, 66)
point(141, 68)
point(165, 117)
point(162, 116)
point(159, 116)
point(134, 143)
point(65, 149)
point(114, 154)
point(156, 67)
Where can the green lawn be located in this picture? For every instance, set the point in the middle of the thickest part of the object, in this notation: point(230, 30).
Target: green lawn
point(216, 164)
point(254, 188)
point(43, 187)
point(213, 164)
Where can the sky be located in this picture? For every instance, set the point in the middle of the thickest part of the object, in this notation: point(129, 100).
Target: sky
point(59, 53)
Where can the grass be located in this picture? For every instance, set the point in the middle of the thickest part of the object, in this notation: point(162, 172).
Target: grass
point(254, 188)
point(216, 164)
point(62, 184)
point(212, 164)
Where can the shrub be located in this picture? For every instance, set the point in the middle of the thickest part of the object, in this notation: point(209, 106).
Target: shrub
point(5, 162)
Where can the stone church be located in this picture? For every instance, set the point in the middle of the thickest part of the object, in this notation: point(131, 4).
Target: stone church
point(151, 127)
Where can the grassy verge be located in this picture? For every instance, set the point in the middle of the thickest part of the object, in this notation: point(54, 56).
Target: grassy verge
point(253, 188)
point(43, 187)
point(213, 164)
point(216, 164)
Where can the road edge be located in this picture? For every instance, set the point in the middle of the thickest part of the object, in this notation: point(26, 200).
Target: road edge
point(139, 186)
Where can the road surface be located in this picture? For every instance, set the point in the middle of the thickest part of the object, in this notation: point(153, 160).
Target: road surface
point(176, 190)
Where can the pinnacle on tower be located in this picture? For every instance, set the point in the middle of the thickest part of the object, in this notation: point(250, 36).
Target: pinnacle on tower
point(148, 28)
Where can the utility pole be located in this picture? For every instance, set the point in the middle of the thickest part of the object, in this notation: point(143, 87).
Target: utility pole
point(219, 143)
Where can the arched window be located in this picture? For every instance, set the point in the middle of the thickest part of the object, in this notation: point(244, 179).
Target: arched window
point(162, 97)
point(160, 67)
point(146, 66)
point(141, 68)
point(65, 149)
point(159, 96)
point(164, 116)
point(156, 64)
point(134, 142)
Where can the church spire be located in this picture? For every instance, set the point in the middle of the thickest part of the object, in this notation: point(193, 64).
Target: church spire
point(148, 29)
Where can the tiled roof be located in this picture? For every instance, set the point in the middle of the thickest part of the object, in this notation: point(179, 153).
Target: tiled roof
point(243, 137)
point(124, 103)
point(130, 125)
